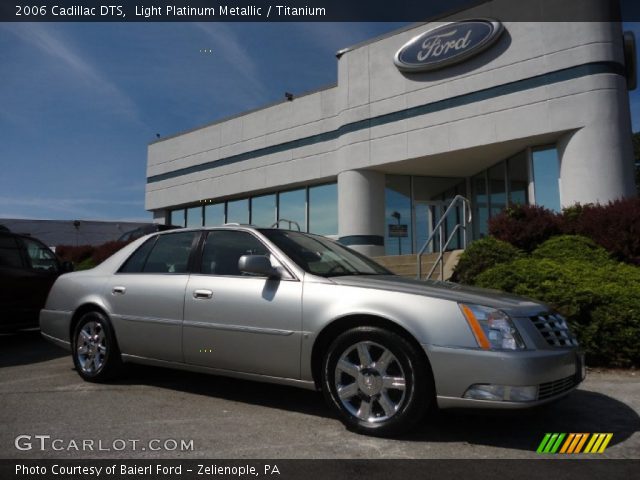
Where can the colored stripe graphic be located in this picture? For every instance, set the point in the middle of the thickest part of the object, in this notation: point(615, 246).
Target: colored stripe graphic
point(573, 443)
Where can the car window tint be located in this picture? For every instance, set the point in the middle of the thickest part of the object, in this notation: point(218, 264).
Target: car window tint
point(10, 253)
point(40, 256)
point(170, 254)
point(223, 249)
point(135, 263)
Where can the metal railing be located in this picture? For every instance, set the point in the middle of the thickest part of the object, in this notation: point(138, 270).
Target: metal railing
point(439, 229)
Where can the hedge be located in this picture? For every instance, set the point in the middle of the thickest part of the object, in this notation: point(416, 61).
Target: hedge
point(599, 296)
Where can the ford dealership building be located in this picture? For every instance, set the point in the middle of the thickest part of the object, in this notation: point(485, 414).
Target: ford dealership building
point(500, 112)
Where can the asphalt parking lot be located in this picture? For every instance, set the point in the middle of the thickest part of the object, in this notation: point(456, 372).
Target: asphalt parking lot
point(41, 394)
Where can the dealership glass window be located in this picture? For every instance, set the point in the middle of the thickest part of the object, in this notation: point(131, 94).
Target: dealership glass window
point(398, 215)
point(263, 210)
point(479, 200)
point(323, 209)
point(177, 217)
point(194, 217)
point(546, 175)
point(518, 179)
point(292, 206)
point(214, 214)
point(497, 188)
point(238, 211)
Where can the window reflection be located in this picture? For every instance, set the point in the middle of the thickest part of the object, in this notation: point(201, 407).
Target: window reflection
point(480, 204)
point(398, 215)
point(263, 210)
point(194, 217)
point(546, 174)
point(292, 207)
point(497, 189)
point(214, 214)
point(177, 217)
point(238, 211)
point(518, 179)
point(323, 209)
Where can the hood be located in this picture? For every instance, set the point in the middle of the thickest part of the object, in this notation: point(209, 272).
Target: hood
point(447, 291)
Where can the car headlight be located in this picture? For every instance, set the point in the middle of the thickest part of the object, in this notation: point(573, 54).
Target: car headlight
point(493, 329)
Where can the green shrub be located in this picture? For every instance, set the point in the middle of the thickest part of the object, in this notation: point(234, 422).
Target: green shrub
point(481, 255)
point(599, 296)
point(572, 247)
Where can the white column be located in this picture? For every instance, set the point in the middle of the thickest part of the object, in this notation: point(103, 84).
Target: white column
point(361, 211)
point(596, 162)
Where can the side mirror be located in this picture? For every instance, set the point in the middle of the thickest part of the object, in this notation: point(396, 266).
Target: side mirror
point(67, 267)
point(257, 265)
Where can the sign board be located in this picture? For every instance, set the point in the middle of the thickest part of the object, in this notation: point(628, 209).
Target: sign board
point(447, 44)
point(398, 231)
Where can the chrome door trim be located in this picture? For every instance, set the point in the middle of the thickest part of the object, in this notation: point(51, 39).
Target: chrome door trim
point(162, 321)
point(238, 328)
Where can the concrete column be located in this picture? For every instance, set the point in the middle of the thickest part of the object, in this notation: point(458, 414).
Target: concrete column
point(596, 162)
point(361, 211)
point(160, 216)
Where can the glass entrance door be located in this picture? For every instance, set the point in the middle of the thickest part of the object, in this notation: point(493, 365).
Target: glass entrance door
point(427, 214)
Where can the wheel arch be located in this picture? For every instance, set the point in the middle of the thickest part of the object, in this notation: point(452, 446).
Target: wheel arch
point(331, 331)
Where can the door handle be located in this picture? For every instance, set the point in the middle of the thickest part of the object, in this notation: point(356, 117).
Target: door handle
point(118, 290)
point(202, 294)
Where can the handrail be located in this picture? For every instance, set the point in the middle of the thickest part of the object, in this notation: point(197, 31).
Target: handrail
point(439, 228)
point(290, 222)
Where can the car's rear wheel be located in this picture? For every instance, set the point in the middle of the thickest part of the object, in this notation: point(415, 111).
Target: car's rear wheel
point(95, 351)
point(377, 381)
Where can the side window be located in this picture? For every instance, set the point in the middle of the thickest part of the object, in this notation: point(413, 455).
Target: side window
point(10, 253)
point(136, 261)
point(224, 248)
point(170, 254)
point(40, 256)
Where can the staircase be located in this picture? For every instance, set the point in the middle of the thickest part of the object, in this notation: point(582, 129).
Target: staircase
point(406, 266)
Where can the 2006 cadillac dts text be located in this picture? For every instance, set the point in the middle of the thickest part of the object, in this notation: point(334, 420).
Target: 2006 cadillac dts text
point(46, 442)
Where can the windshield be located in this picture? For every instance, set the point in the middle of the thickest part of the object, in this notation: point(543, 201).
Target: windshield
point(320, 256)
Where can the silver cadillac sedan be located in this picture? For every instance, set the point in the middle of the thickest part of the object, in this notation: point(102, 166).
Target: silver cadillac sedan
point(299, 309)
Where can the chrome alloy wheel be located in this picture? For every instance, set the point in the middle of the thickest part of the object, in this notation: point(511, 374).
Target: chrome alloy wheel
point(370, 382)
point(92, 347)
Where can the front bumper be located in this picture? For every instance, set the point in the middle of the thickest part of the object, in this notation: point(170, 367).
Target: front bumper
point(555, 372)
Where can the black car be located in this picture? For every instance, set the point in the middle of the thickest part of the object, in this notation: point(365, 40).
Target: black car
point(28, 268)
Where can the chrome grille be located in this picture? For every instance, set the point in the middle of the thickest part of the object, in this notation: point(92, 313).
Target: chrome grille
point(554, 329)
point(551, 389)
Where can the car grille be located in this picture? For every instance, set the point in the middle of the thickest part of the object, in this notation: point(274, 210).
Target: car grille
point(551, 389)
point(554, 329)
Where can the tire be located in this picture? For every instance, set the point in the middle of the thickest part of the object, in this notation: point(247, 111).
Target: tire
point(377, 381)
point(95, 351)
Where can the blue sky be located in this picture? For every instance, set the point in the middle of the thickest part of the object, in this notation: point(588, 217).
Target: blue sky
point(80, 102)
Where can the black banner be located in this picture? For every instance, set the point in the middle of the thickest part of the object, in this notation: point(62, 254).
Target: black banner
point(317, 469)
point(313, 10)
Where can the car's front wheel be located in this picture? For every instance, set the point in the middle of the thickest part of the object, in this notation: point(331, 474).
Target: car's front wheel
point(95, 351)
point(377, 381)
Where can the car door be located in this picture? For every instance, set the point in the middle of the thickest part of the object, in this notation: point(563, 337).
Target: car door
point(44, 269)
point(146, 297)
point(15, 284)
point(240, 322)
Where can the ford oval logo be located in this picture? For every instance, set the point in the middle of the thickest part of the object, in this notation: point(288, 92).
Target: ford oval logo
point(447, 44)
